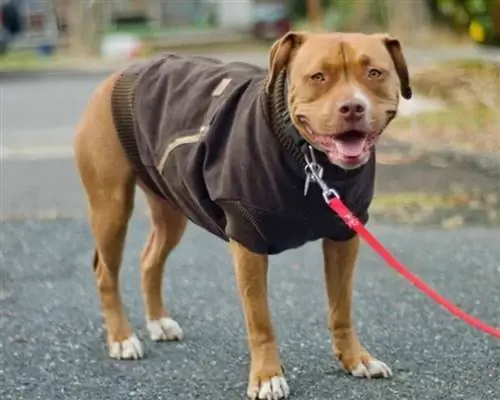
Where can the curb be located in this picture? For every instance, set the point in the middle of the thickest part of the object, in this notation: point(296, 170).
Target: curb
point(487, 164)
point(104, 69)
point(57, 72)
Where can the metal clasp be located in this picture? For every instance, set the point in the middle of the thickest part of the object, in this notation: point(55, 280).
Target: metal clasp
point(314, 173)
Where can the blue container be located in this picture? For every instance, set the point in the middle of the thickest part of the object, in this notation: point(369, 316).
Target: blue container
point(46, 49)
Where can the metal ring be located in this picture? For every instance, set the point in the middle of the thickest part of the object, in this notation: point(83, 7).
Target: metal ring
point(330, 193)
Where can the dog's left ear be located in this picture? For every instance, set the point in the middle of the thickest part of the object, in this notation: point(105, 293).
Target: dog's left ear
point(280, 54)
point(394, 48)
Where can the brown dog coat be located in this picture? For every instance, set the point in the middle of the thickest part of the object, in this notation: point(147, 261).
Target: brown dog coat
point(199, 134)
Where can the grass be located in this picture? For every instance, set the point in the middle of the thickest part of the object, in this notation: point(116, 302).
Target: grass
point(25, 60)
point(146, 31)
point(449, 211)
point(460, 81)
point(470, 90)
point(468, 127)
point(408, 199)
point(230, 47)
point(21, 60)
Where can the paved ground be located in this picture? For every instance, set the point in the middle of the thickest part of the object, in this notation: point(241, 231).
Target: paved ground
point(52, 341)
point(51, 334)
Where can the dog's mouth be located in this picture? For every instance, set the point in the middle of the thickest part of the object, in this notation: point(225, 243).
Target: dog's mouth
point(349, 149)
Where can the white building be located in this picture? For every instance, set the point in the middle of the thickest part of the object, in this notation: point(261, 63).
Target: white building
point(234, 14)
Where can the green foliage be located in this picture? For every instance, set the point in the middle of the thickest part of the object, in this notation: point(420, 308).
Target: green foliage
point(341, 13)
point(461, 12)
point(298, 8)
point(465, 14)
point(457, 14)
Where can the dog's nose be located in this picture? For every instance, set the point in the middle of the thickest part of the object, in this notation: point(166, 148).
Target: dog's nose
point(352, 110)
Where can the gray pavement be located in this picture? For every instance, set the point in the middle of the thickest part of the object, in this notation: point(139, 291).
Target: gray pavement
point(52, 339)
point(51, 333)
point(41, 112)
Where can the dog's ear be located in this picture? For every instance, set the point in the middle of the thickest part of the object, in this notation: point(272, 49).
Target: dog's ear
point(280, 54)
point(394, 48)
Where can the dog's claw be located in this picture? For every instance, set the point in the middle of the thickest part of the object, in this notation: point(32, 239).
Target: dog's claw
point(274, 389)
point(372, 369)
point(164, 329)
point(130, 349)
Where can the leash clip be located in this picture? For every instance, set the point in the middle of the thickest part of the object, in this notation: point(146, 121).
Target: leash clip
point(314, 173)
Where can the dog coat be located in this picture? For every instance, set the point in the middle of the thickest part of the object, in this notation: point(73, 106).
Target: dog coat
point(198, 133)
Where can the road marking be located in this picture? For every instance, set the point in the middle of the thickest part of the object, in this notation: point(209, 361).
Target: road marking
point(35, 153)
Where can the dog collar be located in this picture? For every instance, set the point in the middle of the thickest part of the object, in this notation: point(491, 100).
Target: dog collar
point(291, 131)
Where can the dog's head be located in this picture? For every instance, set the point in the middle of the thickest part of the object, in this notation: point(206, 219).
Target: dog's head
point(343, 89)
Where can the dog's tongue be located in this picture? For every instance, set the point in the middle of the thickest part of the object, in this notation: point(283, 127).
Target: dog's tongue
point(350, 148)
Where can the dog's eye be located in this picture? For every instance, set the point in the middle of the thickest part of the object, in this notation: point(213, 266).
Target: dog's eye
point(374, 73)
point(391, 114)
point(318, 77)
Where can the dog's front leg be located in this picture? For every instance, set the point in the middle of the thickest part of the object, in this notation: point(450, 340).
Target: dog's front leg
point(340, 261)
point(266, 379)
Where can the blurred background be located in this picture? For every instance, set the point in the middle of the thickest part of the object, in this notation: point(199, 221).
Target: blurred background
point(452, 48)
point(437, 206)
point(83, 26)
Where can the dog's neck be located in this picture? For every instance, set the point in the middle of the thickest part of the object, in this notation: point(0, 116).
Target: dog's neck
point(281, 121)
point(291, 130)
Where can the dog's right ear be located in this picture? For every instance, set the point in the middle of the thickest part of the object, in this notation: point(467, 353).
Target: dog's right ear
point(280, 54)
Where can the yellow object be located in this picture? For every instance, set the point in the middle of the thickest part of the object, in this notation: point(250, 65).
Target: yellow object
point(477, 31)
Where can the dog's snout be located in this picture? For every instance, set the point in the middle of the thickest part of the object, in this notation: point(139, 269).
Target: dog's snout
point(352, 110)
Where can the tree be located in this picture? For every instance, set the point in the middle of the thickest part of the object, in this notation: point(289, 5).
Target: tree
point(408, 19)
point(495, 17)
point(86, 25)
point(314, 13)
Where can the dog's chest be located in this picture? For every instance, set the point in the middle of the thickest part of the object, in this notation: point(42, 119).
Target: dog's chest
point(287, 219)
point(293, 224)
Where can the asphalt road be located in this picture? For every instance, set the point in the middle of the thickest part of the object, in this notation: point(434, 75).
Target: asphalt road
point(51, 334)
point(52, 340)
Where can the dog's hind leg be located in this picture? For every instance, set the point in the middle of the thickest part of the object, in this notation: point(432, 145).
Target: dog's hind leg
point(167, 228)
point(109, 182)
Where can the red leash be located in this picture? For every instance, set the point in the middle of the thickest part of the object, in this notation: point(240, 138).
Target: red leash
point(332, 198)
point(354, 223)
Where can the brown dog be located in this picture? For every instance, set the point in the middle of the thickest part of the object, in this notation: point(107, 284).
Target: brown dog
point(222, 145)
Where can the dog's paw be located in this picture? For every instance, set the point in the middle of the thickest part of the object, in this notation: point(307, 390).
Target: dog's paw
point(164, 329)
point(275, 388)
point(371, 369)
point(130, 349)
point(360, 364)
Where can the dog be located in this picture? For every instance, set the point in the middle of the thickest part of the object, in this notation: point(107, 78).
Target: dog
point(222, 146)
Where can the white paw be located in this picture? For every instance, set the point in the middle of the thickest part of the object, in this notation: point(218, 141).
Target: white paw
point(164, 329)
point(130, 349)
point(275, 389)
point(372, 369)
